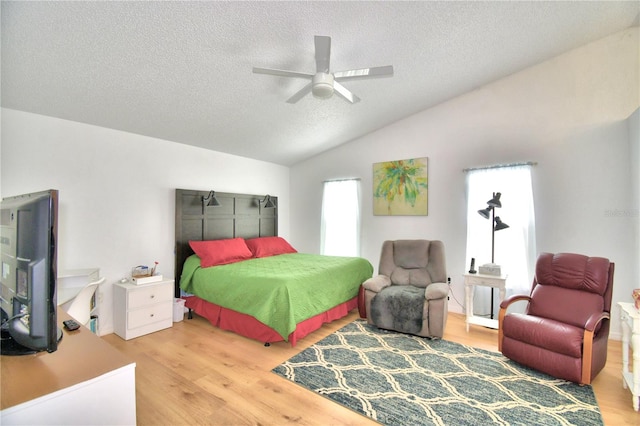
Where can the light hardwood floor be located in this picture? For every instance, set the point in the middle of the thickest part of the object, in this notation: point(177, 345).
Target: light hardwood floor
point(194, 373)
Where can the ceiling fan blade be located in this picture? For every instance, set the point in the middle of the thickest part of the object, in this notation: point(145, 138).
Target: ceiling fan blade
point(345, 93)
point(282, 73)
point(323, 53)
point(375, 72)
point(300, 94)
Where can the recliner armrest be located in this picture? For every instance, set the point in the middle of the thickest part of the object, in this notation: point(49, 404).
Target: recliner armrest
point(377, 283)
point(502, 313)
point(514, 298)
point(596, 319)
point(436, 291)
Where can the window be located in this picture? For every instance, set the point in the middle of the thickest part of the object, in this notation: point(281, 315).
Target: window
point(515, 247)
point(341, 218)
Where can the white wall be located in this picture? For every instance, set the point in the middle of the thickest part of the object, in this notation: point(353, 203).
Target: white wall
point(117, 190)
point(567, 114)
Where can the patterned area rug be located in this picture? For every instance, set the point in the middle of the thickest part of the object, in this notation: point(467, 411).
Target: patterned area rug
point(397, 379)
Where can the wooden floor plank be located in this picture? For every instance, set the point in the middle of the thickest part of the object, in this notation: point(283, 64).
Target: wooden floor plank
point(194, 373)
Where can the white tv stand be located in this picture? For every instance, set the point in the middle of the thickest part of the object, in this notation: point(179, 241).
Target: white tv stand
point(86, 381)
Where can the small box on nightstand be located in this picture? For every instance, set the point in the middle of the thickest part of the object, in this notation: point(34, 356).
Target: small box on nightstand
point(490, 269)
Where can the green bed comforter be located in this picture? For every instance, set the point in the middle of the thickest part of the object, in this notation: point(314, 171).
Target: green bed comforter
point(280, 291)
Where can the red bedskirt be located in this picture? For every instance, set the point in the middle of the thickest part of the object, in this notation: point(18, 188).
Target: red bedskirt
point(250, 327)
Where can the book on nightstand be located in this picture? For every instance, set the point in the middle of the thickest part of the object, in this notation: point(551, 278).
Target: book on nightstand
point(146, 280)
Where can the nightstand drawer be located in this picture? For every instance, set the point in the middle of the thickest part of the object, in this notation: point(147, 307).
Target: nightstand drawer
point(149, 315)
point(150, 294)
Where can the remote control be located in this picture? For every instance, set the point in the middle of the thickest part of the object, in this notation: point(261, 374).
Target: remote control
point(71, 325)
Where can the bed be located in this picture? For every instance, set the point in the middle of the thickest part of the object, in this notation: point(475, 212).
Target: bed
point(271, 294)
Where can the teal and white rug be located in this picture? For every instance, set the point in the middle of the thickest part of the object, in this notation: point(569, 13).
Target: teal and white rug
point(397, 379)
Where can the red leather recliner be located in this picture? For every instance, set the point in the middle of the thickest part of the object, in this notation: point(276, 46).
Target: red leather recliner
point(565, 328)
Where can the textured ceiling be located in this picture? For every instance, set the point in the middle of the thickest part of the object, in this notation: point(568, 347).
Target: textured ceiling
point(181, 71)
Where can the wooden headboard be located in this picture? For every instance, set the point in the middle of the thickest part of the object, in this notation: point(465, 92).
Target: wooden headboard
point(238, 215)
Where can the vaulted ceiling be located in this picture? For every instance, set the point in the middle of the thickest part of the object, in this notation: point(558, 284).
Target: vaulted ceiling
point(182, 71)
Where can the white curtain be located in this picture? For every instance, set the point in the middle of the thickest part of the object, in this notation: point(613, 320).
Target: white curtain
point(515, 247)
point(340, 234)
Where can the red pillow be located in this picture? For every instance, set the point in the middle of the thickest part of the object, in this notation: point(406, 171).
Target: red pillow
point(269, 246)
point(220, 252)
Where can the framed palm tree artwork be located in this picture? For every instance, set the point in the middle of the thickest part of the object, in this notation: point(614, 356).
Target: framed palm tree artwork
point(400, 188)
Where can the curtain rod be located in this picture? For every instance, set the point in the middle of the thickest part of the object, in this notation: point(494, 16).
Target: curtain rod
point(340, 180)
point(499, 166)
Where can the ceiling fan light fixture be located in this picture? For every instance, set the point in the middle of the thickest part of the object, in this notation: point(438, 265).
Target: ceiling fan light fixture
point(322, 85)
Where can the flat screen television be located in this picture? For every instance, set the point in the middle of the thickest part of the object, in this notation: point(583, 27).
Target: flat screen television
point(28, 273)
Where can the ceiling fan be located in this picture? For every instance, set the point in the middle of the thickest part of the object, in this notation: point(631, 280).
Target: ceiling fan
point(324, 83)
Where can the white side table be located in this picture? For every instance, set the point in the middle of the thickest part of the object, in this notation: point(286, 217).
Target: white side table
point(630, 320)
point(142, 309)
point(472, 280)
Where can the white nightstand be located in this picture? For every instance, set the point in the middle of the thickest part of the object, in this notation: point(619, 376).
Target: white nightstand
point(142, 309)
point(472, 280)
point(630, 320)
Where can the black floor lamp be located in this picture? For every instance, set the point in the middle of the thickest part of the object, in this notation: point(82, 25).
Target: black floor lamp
point(496, 225)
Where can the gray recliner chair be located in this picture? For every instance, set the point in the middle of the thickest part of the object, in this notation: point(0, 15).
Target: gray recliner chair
point(410, 293)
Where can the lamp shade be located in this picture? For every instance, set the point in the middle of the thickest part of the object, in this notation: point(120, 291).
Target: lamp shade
point(268, 202)
point(211, 199)
point(495, 201)
point(486, 213)
point(500, 224)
